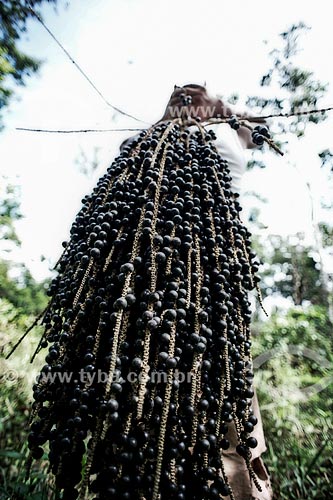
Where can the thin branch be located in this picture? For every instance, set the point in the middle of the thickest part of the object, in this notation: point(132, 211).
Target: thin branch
point(27, 331)
point(79, 131)
point(211, 121)
point(224, 119)
point(295, 113)
point(91, 83)
point(269, 141)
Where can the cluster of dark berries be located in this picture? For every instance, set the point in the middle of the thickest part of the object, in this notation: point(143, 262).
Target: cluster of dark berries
point(233, 122)
point(148, 329)
point(259, 133)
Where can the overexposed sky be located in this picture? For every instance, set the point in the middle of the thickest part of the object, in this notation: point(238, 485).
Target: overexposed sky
point(135, 51)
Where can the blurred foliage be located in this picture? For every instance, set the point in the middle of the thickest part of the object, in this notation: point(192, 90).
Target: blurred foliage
point(306, 326)
point(17, 376)
point(297, 413)
point(15, 66)
point(21, 298)
point(88, 165)
point(287, 88)
point(293, 88)
point(327, 234)
point(9, 210)
point(326, 157)
point(292, 269)
point(16, 282)
point(294, 385)
point(26, 295)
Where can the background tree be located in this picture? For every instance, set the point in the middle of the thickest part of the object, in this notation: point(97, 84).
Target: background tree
point(17, 285)
point(293, 271)
point(21, 299)
point(9, 211)
point(15, 66)
point(296, 427)
point(288, 88)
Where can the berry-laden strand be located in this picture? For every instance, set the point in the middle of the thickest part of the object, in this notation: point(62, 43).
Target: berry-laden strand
point(153, 282)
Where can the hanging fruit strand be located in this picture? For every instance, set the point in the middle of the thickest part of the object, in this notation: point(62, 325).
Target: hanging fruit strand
point(148, 329)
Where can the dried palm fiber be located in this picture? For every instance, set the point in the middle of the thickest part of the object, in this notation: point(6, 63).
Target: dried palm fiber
point(148, 329)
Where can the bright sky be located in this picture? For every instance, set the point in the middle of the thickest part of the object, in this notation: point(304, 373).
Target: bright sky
point(135, 51)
